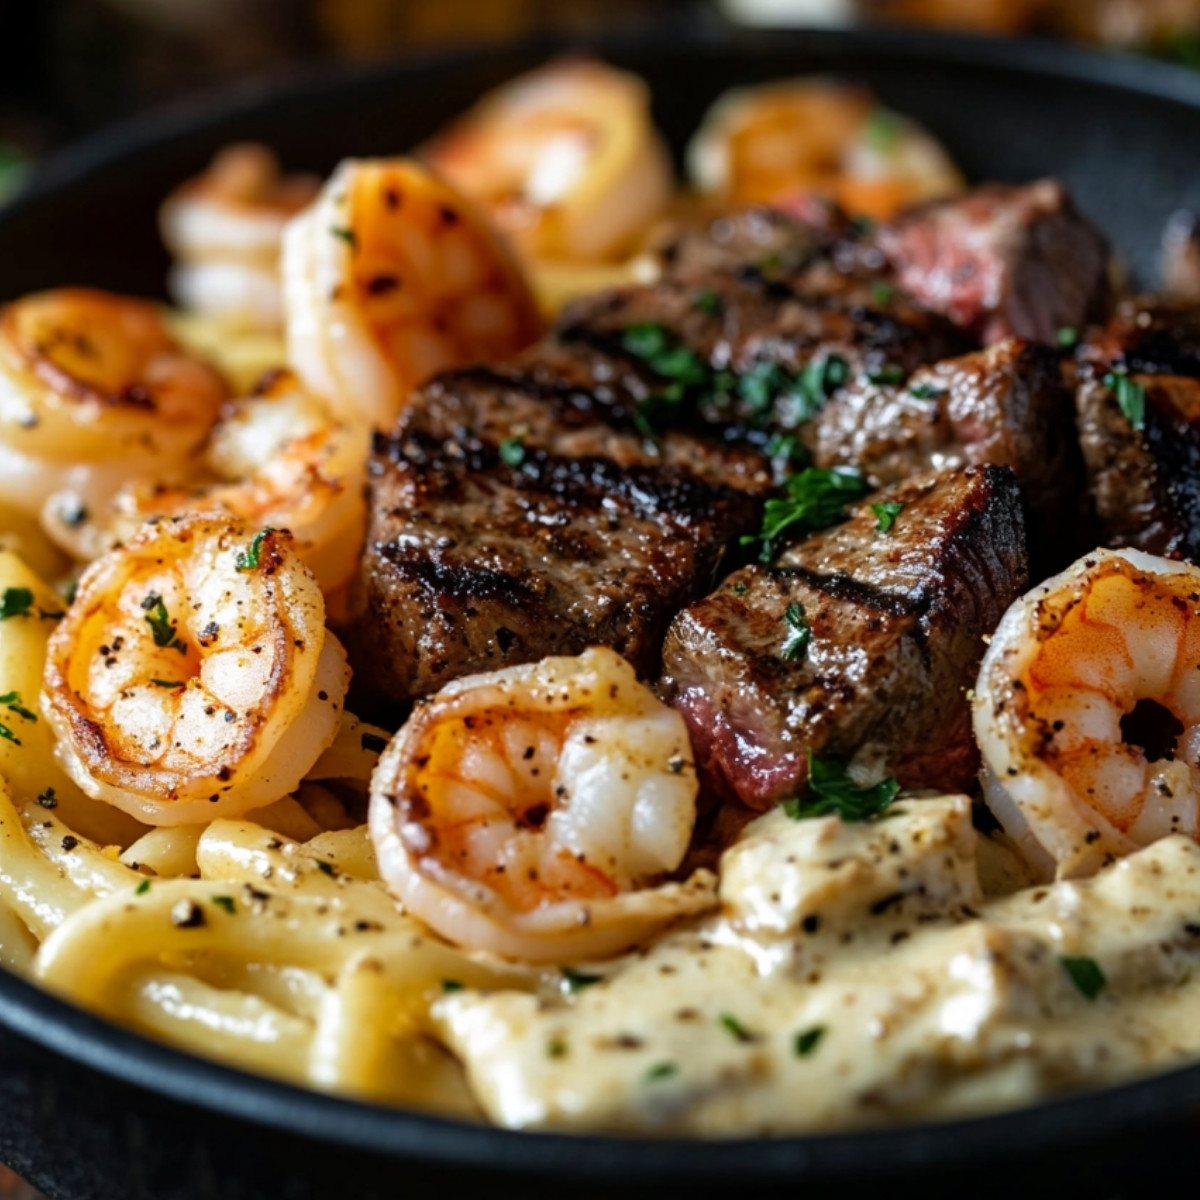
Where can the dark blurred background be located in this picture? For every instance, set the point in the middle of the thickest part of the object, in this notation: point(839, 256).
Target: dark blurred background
point(69, 66)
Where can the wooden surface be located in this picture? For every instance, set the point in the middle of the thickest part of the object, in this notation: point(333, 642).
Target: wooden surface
point(12, 1188)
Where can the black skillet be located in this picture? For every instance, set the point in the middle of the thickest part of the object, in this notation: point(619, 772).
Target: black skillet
point(90, 1112)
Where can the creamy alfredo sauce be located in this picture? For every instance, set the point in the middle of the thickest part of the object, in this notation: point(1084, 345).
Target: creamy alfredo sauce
point(855, 974)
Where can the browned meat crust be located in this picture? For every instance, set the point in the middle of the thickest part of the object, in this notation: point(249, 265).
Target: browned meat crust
point(896, 621)
point(1005, 405)
point(1144, 473)
point(1003, 260)
point(473, 563)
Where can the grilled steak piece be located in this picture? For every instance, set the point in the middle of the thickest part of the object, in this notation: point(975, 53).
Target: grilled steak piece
point(1003, 260)
point(896, 622)
point(474, 563)
point(757, 353)
point(1138, 410)
point(1005, 405)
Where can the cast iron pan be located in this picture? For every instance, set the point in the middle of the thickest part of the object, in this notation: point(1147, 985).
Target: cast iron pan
point(90, 1112)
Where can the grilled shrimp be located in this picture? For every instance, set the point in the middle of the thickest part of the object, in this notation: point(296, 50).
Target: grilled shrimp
point(94, 391)
point(225, 229)
point(565, 158)
point(192, 676)
point(532, 811)
point(1087, 711)
point(781, 142)
point(391, 277)
point(278, 460)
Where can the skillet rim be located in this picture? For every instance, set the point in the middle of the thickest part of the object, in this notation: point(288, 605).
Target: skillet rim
point(64, 1030)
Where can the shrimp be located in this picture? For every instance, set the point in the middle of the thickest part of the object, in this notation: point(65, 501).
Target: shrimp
point(94, 391)
point(1087, 711)
point(192, 677)
point(781, 142)
point(277, 460)
point(391, 277)
point(225, 229)
point(533, 811)
point(565, 159)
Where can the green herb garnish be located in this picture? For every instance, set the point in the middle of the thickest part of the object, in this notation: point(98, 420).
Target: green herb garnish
point(12, 701)
point(326, 868)
point(734, 1027)
point(926, 391)
point(1067, 337)
point(788, 449)
point(142, 888)
point(8, 735)
point(347, 235)
point(807, 1040)
point(373, 742)
point(225, 902)
point(168, 683)
point(798, 633)
point(16, 602)
point(251, 560)
point(48, 799)
point(707, 301)
point(833, 793)
point(512, 452)
point(815, 500)
point(161, 625)
point(578, 980)
point(882, 294)
point(452, 985)
point(887, 511)
point(740, 589)
point(1085, 974)
point(886, 375)
point(660, 1070)
point(1131, 397)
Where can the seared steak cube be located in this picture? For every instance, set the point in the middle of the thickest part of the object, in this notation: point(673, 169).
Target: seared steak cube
point(1004, 259)
point(1006, 405)
point(896, 621)
point(478, 559)
point(1138, 410)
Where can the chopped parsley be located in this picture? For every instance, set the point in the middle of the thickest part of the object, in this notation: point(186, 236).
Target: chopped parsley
point(788, 449)
point(1085, 974)
point(225, 902)
point(734, 1028)
point(48, 799)
point(8, 735)
point(833, 793)
point(326, 868)
point(373, 742)
point(659, 1071)
point(820, 378)
point(16, 602)
point(452, 985)
point(798, 633)
point(1131, 397)
point(926, 391)
point(512, 452)
point(707, 301)
point(740, 589)
point(807, 1040)
point(142, 888)
point(886, 375)
point(1067, 337)
point(556, 1047)
point(168, 683)
point(815, 500)
point(164, 629)
point(347, 235)
point(12, 701)
point(577, 980)
point(887, 511)
point(680, 366)
point(882, 294)
point(251, 560)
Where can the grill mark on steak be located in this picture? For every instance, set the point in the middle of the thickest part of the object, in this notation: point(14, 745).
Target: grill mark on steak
point(896, 623)
point(1145, 482)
